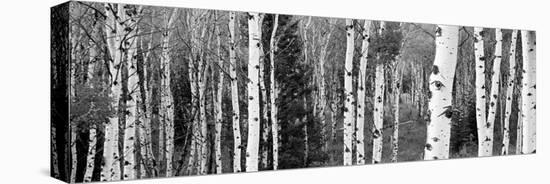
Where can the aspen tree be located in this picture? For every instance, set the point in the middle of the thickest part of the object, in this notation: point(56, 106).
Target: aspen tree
point(440, 94)
point(274, 94)
point(149, 85)
point(348, 92)
point(361, 103)
point(218, 103)
point(129, 18)
point(253, 92)
point(481, 98)
point(519, 128)
point(509, 93)
point(111, 157)
point(486, 148)
point(167, 101)
point(378, 114)
point(264, 120)
point(528, 92)
point(234, 95)
point(205, 68)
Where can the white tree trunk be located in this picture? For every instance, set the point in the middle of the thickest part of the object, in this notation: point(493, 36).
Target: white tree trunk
point(441, 87)
point(130, 23)
point(378, 114)
point(274, 94)
point(528, 93)
point(396, 89)
point(218, 105)
point(253, 92)
point(167, 101)
point(149, 84)
point(205, 68)
point(509, 94)
point(234, 95)
point(348, 92)
point(481, 98)
point(519, 129)
point(111, 157)
point(486, 147)
point(361, 103)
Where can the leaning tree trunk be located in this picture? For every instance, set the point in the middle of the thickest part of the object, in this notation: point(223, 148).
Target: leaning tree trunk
point(348, 92)
point(274, 93)
point(486, 147)
point(509, 94)
point(234, 95)
point(441, 88)
point(481, 98)
point(361, 89)
point(253, 92)
point(528, 93)
point(218, 104)
point(378, 114)
point(111, 166)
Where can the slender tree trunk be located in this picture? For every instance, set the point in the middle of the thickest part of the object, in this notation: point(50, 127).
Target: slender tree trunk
point(378, 114)
point(234, 95)
point(129, 17)
point(348, 92)
point(396, 89)
point(528, 93)
point(253, 92)
point(167, 101)
point(481, 98)
point(150, 84)
point(193, 75)
point(274, 93)
point(519, 129)
point(486, 148)
point(441, 87)
point(361, 103)
point(322, 95)
point(111, 166)
point(218, 104)
point(76, 60)
point(509, 94)
point(205, 68)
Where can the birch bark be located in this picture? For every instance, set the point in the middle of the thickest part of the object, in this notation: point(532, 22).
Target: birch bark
point(378, 115)
point(274, 93)
point(348, 92)
point(111, 167)
point(509, 93)
point(440, 95)
point(481, 99)
point(253, 92)
point(529, 134)
point(361, 103)
point(234, 95)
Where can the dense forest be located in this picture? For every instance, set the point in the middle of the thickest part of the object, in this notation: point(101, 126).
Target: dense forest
point(146, 92)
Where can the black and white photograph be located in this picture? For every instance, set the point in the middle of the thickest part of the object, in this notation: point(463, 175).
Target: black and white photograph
point(141, 92)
